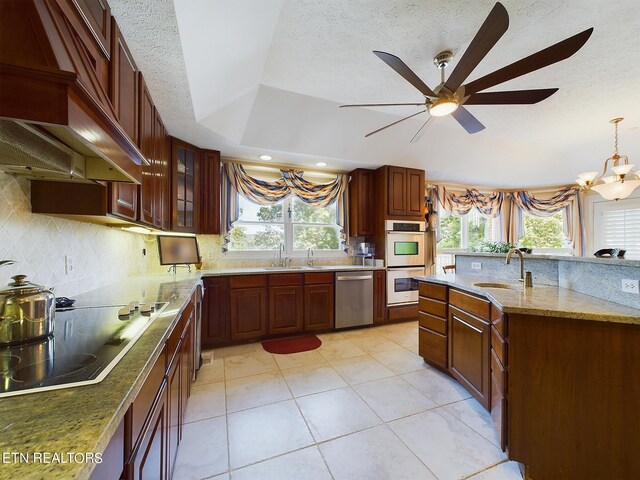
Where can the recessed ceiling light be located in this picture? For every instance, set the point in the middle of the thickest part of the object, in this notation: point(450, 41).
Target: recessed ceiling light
point(266, 157)
point(321, 164)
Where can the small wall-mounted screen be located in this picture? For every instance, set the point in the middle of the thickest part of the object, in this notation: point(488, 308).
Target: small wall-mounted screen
point(178, 250)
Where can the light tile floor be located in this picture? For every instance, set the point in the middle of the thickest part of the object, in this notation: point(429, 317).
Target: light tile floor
point(362, 406)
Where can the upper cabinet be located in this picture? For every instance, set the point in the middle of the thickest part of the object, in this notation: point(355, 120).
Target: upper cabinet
point(124, 84)
point(195, 191)
point(148, 148)
point(361, 197)
point(402, 189)
point(185, 165)
point(97, 13)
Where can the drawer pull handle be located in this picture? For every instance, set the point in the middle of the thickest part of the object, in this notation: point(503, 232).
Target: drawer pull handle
point(467, 324)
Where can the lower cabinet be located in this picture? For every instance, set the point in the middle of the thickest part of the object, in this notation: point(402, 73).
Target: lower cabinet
point(215, 312)
point(285, 309)
point(379, 296)
point(149, 459)
point(153, 423)
point(469, 339)
point(319, 307)
point(248, 310)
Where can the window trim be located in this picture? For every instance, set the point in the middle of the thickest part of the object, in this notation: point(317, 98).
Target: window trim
point(288, 224)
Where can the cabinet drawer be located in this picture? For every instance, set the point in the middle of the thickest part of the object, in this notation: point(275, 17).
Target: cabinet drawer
point(433, 323)
point(499, 345)
point(141, 406)
point(499, 320)
point(433, 290)
point(174, 340)
point(248, 281)
point(433, 347)
point(477, 306)
point(498, 373)
point(285, 279)
point(434, 307)
point(403, 312)
point(318, 278)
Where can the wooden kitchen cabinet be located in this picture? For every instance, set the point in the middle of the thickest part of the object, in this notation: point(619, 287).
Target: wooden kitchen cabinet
point(215, 312)
point(248, 307)
point(148, 148)
point(361, 198)
point(402, 190)
point(469, 353)
point(187, 351)
point(149, 461)
point(379, 296)
point(174, 413)
point(97, 14)
point(185, 190)
point(210, 193)
point(122, 200)
point(433, 342)
point(285, 309)
point(124, 84)
point(161, 173)
point(319, 307)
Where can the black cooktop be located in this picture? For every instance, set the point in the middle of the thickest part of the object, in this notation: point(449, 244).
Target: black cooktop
point(85, 346)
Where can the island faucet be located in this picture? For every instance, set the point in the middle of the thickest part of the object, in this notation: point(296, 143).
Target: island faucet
point(527, 280)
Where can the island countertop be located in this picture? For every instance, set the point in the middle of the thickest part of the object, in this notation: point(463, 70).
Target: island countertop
point(542, 300)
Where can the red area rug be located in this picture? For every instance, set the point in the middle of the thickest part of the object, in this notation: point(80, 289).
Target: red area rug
point(292, 345)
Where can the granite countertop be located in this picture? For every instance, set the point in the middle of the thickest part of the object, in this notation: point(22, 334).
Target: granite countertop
point(83, 419)
point(620, 262)
point(543, 300)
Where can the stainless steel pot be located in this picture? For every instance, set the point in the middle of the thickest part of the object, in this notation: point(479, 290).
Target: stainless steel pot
point(26, 312)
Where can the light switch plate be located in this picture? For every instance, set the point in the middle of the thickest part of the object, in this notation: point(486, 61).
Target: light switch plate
point(476, 266)
point(630, 286)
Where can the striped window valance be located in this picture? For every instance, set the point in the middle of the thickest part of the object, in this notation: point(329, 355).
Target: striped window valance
point(459, 204)
point(291, 182)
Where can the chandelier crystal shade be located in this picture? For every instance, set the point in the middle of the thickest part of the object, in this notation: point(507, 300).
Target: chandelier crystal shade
point(621, 181)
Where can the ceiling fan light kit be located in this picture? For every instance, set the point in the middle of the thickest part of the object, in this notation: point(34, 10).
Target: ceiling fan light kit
point(451, 95)
point(620, 183)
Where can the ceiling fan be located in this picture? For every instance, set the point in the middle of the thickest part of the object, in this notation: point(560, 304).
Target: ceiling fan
point(450, 96)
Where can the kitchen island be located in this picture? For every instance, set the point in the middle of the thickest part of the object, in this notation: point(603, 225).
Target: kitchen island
point(554, 367)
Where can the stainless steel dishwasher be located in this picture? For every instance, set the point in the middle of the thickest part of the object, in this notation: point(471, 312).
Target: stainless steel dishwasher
point(354, 299)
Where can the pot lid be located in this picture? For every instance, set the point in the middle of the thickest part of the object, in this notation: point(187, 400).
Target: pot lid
point(21, 286)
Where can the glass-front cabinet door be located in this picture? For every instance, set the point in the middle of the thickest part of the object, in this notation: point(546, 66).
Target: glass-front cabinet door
point(185, 187)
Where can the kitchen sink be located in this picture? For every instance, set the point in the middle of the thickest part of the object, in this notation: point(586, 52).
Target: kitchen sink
point(507, 286)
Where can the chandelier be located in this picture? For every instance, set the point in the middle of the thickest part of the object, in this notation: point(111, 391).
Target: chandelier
point(620, 182)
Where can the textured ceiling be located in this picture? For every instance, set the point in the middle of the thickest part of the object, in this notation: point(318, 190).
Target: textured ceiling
point(266, 76)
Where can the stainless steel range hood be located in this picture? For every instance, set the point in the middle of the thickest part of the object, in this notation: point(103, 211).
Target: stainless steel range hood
point(31, 151)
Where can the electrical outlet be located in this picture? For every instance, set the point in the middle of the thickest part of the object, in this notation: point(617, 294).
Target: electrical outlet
point(68, 264)
point(630, 286)
point(476, 266)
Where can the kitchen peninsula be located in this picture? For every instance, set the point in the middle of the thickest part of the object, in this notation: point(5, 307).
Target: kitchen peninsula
point(553, 366)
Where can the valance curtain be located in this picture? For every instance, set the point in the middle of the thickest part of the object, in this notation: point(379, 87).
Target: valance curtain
point(459, 204)
point(263, 192)
point(543, 205)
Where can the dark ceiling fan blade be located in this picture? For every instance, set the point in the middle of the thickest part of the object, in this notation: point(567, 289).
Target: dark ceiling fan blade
point(418, 135)
point(468, 121)
point(394, 123)
point(515, 97)
point(381, 104)
point(490, 32)
point(406, 73)
point(550, 55)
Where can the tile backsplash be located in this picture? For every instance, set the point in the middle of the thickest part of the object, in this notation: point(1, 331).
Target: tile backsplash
point(99, 255)
point(39, 243)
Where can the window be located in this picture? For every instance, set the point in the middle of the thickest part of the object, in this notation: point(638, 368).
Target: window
point(460, 233)
point(617, 225)
point(292, 222)
point(545, 234)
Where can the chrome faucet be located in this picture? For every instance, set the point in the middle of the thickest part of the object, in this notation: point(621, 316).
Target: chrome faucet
point(282, 262)
point(310, 258)
point(527, 280)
